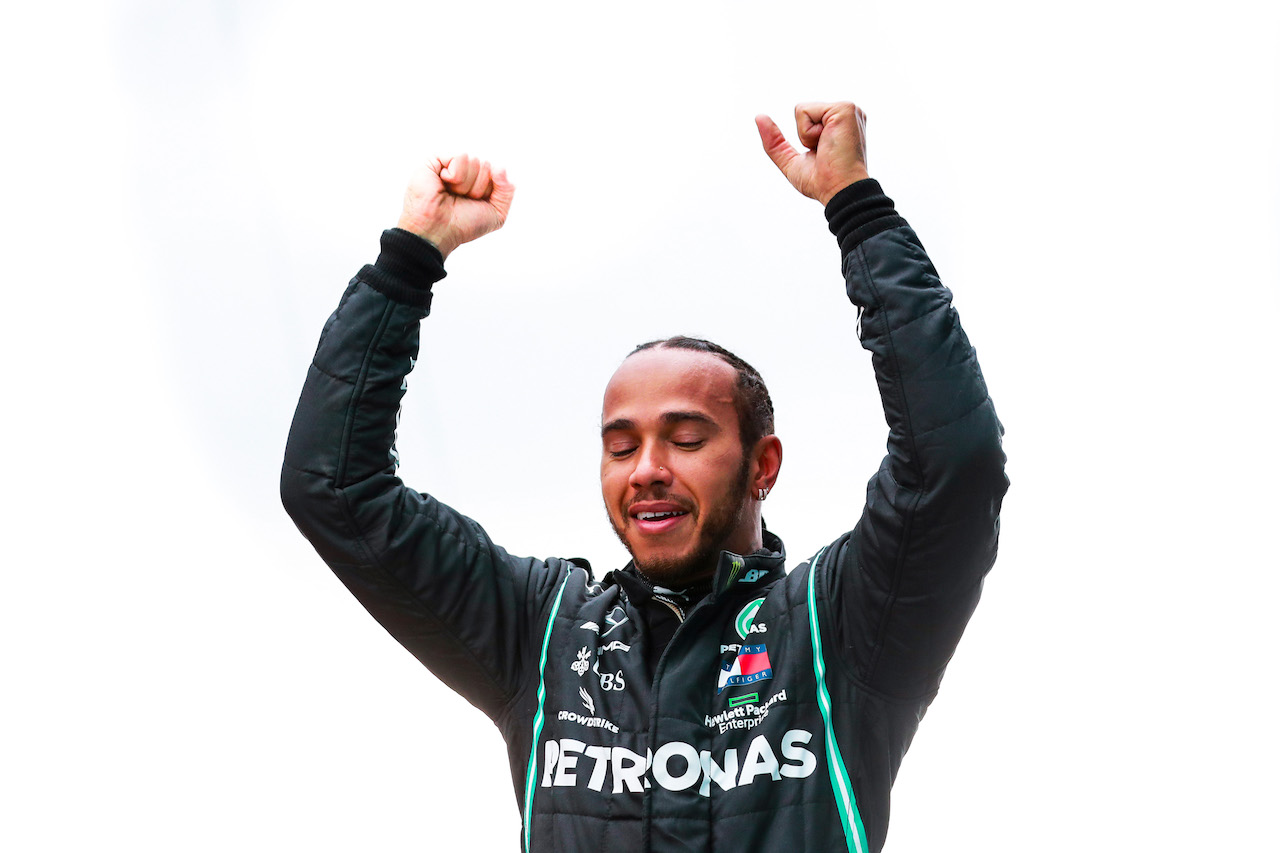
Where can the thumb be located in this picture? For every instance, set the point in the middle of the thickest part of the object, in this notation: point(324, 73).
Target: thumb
point(776, 146)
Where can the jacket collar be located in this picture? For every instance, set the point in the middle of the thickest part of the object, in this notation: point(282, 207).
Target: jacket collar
point(759, 569)
point(733, 572)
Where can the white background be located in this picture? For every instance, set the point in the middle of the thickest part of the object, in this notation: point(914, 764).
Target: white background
point(188, 186)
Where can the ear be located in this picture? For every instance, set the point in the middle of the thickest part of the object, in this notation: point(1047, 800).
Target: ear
point(766, 462)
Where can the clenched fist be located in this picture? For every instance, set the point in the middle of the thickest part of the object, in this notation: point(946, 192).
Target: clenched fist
point(454, 200)
point(835, 136)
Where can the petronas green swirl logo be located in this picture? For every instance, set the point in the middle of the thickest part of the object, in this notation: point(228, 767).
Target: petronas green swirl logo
point(745, 622)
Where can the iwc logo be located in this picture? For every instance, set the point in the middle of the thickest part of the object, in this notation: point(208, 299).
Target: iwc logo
point(745, 623)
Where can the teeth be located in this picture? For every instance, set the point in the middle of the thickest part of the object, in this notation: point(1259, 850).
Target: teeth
point(653, 516)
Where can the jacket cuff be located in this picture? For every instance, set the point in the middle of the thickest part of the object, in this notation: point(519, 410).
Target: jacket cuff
point(859, 212)
point(406, 269)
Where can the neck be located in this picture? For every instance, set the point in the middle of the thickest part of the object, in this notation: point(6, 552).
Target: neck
point(746, 539)
point(700, 574)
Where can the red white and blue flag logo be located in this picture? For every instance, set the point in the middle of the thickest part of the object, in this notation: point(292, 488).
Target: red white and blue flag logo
point(749, 666)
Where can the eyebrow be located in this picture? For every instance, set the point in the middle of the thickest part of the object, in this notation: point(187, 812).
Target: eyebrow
point(668, 418)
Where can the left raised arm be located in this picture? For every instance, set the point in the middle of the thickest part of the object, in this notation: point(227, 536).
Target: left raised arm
point(904, 582)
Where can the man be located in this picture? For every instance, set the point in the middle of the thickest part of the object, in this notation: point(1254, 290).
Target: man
point(700, 698)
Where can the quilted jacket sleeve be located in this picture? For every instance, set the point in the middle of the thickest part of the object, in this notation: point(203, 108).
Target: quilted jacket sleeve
point(907, 578)
point(429, 575)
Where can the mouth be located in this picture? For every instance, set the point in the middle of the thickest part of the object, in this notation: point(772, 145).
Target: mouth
point(656, 520)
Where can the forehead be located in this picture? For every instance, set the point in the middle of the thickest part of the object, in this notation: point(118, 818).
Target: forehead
point(660, 380)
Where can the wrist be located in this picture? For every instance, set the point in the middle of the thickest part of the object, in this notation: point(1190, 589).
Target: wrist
point(406, 268)
point(860, 211)
point(844, 183)
point(436, 235)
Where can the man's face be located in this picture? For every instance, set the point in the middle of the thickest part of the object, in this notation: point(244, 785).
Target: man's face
point(672, 468)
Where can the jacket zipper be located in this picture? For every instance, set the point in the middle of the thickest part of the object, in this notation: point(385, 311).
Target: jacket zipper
point(674, 607)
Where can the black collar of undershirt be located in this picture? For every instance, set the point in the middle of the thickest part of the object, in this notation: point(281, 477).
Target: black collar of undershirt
point(640, 589)
point(733, 572)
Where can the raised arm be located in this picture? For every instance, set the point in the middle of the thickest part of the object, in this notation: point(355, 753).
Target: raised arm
point(904, 582)
point(429, 575)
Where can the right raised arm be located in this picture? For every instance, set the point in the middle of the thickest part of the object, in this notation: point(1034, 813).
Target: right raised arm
point(428, 574)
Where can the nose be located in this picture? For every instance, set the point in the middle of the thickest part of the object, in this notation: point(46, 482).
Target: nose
point(651, 468)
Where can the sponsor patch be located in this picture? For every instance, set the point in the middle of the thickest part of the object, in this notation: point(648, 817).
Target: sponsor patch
point(745, 622)
point(735, 565)
point(580, 665)
point(610, 680)
point(676, 765)
point(749, 665)
point(589, 722)
point(617, 617)
point(742, 714)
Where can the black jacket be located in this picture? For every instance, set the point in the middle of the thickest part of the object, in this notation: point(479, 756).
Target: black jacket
point(779, 711)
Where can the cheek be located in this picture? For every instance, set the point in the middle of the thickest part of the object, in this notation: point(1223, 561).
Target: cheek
point(719, 474)
point(612, 483)
point(723, 463)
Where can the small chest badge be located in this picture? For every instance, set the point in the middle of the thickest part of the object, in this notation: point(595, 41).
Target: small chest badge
point(745, 623)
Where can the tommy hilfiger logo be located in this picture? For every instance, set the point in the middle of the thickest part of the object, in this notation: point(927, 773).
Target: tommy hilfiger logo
point(749, 665)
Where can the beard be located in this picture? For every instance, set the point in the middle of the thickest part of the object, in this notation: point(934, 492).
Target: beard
point(721, 520)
